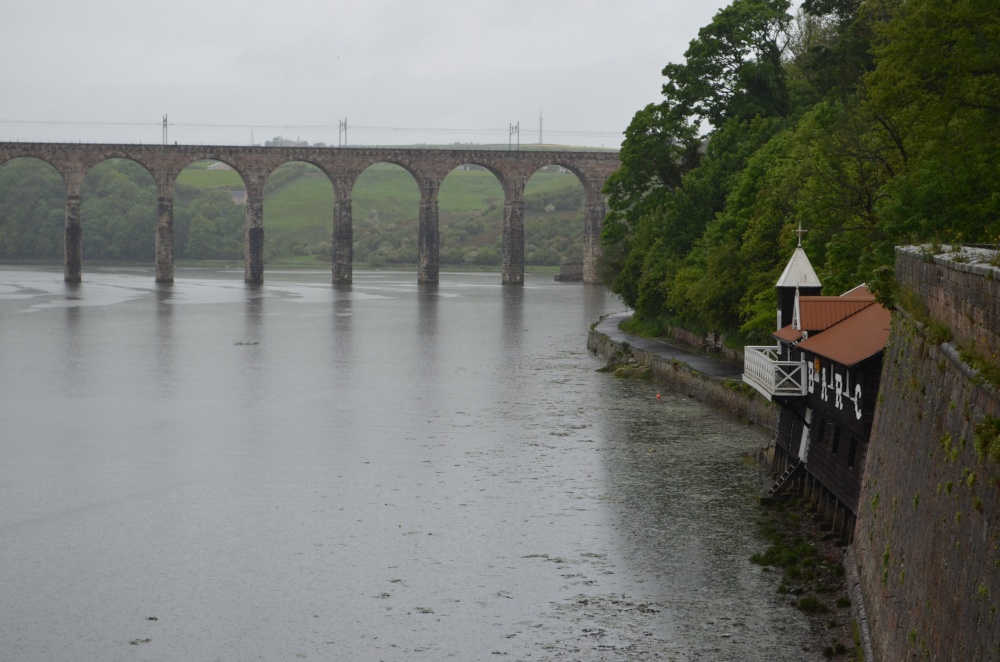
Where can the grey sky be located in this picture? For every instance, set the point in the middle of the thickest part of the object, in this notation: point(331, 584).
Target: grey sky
point(227, 72)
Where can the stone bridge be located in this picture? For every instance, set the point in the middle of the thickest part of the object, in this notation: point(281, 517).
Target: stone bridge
point(342, 165)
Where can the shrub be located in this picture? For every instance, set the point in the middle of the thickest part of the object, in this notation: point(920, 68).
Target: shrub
point(812, 605)
point(987, 439)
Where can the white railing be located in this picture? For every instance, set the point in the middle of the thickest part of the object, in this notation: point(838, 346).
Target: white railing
point(763, 370)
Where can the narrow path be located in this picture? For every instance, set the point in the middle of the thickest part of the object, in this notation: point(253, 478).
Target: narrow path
point(707, 365)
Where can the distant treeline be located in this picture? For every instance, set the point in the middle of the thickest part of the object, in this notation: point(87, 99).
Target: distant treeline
point(118, 215)
point(872, 123)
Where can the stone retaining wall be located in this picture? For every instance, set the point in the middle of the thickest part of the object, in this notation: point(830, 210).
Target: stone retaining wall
point(727, 395)
point(927, 543)
point(716, 343)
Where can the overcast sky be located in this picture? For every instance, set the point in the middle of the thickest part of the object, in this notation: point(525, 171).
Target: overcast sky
point(398, 71)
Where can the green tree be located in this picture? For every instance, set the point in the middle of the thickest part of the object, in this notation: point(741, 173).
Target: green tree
point(936, 95)
point(733, 70)
point(209, 226)
point(874, 126)
point(32, 210)
point(118, 212)
point(660, 200)
point(204, 239)
point(831, 49)
point(658, 150)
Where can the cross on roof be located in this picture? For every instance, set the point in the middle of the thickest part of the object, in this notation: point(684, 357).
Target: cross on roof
point(800, 232)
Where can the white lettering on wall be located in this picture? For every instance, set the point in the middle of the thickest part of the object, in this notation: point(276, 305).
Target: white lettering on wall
point(828, 379)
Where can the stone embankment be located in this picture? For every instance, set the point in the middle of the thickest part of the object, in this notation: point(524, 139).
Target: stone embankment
point(927, 543)
point(710, 379)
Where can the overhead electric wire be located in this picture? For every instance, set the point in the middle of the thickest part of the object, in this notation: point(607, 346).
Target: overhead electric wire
point(300, 127)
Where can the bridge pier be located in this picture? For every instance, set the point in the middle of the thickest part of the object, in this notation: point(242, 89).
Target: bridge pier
point(428, 237)
point(253, 252)
point(165, 232)
point(512, 247)
point(342, 236)
point(594, 214)
point(73, 233)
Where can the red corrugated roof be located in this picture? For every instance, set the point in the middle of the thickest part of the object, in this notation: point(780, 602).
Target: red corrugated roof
point(859, 337)
point(788, 334)
point(817, 313)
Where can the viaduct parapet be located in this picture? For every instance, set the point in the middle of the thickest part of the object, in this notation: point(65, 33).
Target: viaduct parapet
point(927, 541)
point(342, 165)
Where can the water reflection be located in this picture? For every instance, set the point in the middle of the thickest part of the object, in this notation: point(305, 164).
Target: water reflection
point(75, 367)
point(342, 337)
point(513, 318)
point(164, 338)
point(426, 349)
point(252, 347)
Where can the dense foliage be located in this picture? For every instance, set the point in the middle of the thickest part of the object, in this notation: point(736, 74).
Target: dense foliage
point(117, 213)
point(871, 122)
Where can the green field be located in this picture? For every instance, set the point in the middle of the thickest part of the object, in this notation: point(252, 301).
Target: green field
point(298, 214)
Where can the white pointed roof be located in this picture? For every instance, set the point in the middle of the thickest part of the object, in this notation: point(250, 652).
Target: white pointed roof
point(798, 272)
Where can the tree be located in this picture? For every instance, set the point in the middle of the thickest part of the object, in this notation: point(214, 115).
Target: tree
point(118, 212)
point(830, 50)
point(658, 150)
point(733, 70)
point(665, 193)
point(936, 95)
point(209, 227)
point(885, 145)
point(32, 208)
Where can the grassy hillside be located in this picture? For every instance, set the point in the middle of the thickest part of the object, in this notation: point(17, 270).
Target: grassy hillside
point(298, 214)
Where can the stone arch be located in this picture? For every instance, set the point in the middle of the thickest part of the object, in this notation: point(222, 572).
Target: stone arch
point(89, 160)
point(368, 240)
point(117, 232)
point(388, 158)
point(457, 159)
point(508, 168)
point(479, 230)
point(555, 215)
point(592, 170)
point(212, 223)
point(315, 238)
point(7, 156)
point(180, 165)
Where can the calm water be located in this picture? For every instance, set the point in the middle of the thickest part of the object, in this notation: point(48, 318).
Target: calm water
point(384, 471)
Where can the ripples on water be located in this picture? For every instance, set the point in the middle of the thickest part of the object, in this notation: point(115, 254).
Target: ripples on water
point(384, 471)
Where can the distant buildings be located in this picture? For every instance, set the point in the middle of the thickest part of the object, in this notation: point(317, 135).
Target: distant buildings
point(278, 141)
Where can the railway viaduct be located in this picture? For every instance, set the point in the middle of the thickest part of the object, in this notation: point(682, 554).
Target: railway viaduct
point(342, 165)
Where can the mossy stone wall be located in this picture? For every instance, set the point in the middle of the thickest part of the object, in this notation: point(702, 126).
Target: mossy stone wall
point(927, 542)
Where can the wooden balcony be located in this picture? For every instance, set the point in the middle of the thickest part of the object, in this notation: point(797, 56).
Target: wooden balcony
point(772, 377)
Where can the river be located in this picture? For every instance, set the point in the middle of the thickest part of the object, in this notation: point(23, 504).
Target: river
point(383, 471)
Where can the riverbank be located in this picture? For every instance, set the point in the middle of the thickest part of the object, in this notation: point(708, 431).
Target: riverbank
point(714, 381)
